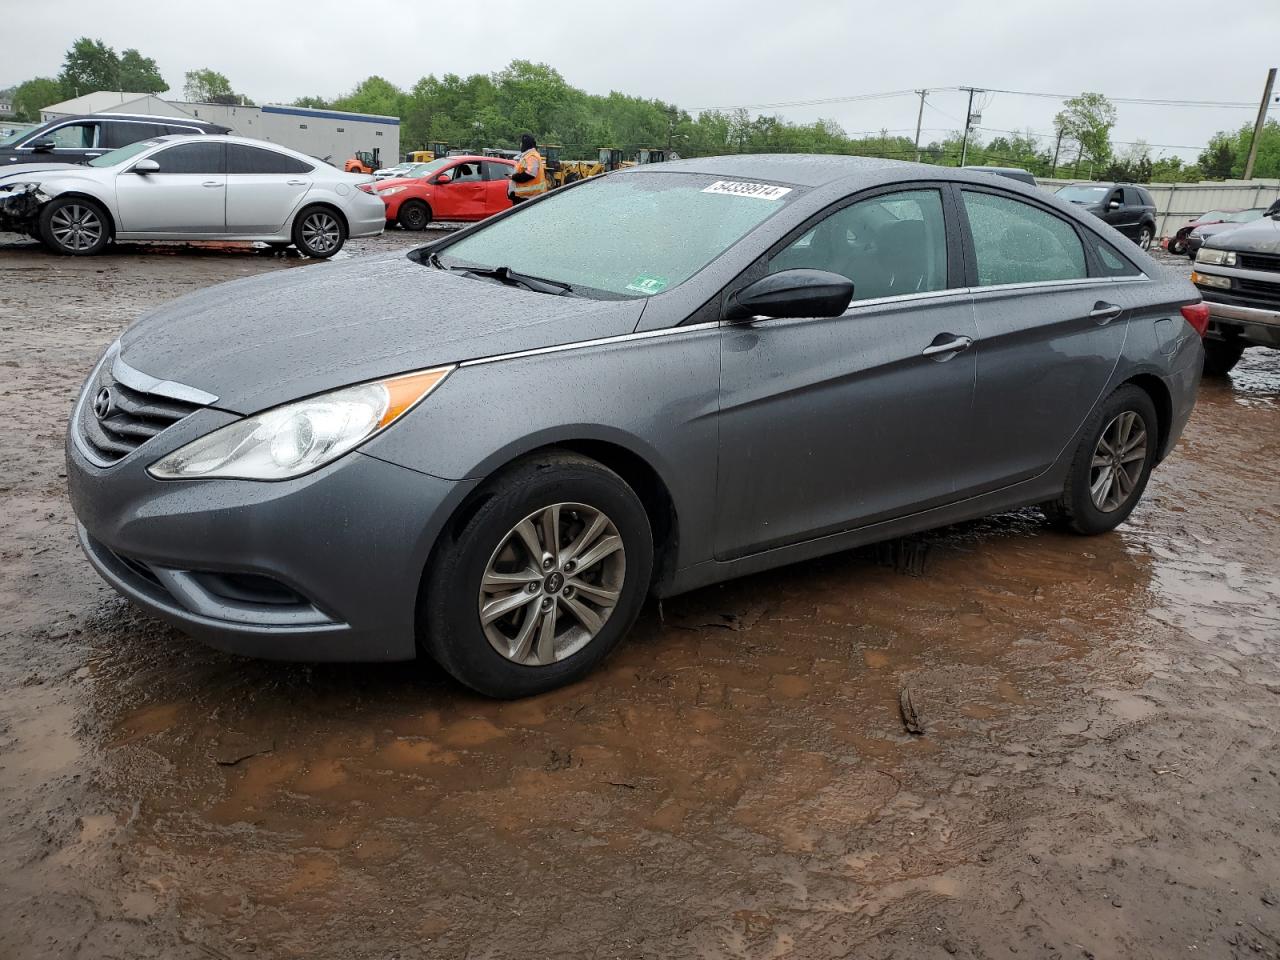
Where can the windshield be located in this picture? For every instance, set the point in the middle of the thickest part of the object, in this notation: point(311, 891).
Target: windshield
point(13, 137)
point(1081, 194)
point(123, 154)
point(632, 235)
point(1246, 216)
point(425, 169)
point(1213, 216)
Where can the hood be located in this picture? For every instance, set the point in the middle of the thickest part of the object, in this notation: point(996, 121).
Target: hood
point(1260, 236)
point(266, 340)
point(22, 172)
point(399, 182)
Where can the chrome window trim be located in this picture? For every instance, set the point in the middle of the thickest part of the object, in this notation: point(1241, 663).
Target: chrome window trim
point(1073, 282)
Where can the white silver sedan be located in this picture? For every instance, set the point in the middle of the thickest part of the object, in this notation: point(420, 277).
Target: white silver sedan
point(193, 188)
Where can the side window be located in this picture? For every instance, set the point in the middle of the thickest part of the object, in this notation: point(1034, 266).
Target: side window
point(246, 159)
point(74, 136)
point(1117, 196)
point(1110, 261)
point(118, 133)
point(167, 128)
point(1131, 197)
point(465, 173)
point(191, 157)
point(497, 171)
point(1015, 242)
point(889, 246)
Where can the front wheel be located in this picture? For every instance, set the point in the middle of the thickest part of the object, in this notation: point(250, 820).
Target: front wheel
point(319, 233)
point(542, 581)
point(74, 226)
point(1221, 355)
point(414, 215)
point(1177, 246)
point(1111, 466)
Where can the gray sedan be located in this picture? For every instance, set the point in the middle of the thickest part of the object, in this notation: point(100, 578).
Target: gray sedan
point(494, 448)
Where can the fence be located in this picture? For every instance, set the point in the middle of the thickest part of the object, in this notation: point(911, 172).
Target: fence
point(1177, 203)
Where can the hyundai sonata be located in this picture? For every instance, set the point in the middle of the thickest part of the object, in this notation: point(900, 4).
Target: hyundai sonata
point(493, 448)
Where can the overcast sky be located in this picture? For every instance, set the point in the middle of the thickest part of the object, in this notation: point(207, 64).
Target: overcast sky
point(715, 53)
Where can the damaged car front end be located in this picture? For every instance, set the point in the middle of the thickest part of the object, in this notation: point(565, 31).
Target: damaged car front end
point(20, 205)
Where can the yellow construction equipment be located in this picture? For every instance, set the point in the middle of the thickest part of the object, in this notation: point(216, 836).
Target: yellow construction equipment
point(438, 148)
point(608, 158)
point(655, 155)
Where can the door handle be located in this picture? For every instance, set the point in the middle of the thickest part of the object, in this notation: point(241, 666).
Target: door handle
point(213, 183)
point(954, 345)
point(296, 183)
point(92, 155)
point(1103, 313)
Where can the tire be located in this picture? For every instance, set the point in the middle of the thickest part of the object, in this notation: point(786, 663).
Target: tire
point(1077, 509)
point(74, 226)
point(1145, 235)
point(414, 215)
point(319, 233)
point(1177, 246)
point(477, 557)
point(1221, 355)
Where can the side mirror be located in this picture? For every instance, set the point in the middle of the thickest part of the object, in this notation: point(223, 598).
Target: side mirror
point(1113, 205)
point(146, 166)
point(792, 293)
point(43, 145)
point(442, 179)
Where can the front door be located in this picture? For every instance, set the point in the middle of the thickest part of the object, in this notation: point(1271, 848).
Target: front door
point(263, 188)
point(462, 198)
point(1049, 333)
point(831, 424)
point(186, 196)
point(497, 180)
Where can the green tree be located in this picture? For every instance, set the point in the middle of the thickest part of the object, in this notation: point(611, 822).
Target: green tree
point(373, 95)
point(315, 103)
point(33, 96)
point(88, 66)
point(1217, 158)
point(210, 86)
point(1088, 120)
point(139, 74)
point(1226, 153)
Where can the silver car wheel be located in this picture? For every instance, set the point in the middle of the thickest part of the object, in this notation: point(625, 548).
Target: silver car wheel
point(1118, 462)
point(75, 226)
point(1144, 238)
point(321, 232)
point(552, 584)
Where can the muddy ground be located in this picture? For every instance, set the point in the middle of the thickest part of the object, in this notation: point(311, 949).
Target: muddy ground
point(1098, 777)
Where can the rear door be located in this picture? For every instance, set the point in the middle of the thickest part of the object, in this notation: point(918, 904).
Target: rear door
point(187, 196)
point(497, 178)
point(827, 424)
point(1051, 328)
point(264, 188)
point(463, 197)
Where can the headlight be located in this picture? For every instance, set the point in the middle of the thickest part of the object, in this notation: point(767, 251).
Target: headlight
point(1226, 258)
point(1205, 280)
point(299, 437)
point(390, 190)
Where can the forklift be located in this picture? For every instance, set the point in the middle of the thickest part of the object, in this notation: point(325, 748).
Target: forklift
point(363, 161)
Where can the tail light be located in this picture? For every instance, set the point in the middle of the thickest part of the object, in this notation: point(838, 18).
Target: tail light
point(365, 187)
point(1197, 314)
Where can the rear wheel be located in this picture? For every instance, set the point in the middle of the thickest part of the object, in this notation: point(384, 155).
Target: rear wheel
point(74, 226)
point(319, 232)
point(414, 215)
point(1221, 355)
point(542, 581)
point(1145, 233)
point(1177, 246)
point(1111, 466)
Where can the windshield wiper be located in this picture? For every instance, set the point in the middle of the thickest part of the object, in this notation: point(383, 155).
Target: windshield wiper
point(512, 278)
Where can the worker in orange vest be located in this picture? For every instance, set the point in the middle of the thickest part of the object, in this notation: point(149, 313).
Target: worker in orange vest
point(530, 177)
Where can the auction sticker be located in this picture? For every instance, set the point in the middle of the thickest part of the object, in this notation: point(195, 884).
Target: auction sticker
point(648, 285)
point(739, 188)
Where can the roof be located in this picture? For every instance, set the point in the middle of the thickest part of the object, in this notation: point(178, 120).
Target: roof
point(803, 169)
point(331, 114)
point(101, 101)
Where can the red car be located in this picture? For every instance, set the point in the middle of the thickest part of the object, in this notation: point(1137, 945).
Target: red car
point(450, 188)
point(1178, 242)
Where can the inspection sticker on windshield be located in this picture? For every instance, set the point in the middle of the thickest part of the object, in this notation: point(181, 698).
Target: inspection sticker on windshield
point(738, 188)
point(648, 285)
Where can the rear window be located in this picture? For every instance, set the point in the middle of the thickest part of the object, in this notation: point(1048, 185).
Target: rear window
point(242, 158)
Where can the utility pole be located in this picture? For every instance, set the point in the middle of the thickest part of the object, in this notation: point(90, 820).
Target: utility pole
point(968, 119)
point(919, 118)
point(1257, 127)
point(1053, 172)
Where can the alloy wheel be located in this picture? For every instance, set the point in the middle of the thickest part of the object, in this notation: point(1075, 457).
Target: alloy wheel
point(1118, 461)
point(76, 227)
point(321, 232)
point(1144, 239)
point(552, 584)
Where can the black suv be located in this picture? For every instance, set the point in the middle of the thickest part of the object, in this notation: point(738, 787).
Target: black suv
point(77, 139)
point(1238, 274)
point(1126, 207)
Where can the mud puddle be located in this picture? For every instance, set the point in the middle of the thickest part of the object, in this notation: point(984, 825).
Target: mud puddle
point(1097, 773)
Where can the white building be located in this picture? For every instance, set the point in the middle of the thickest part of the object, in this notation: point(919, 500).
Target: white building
point(330, 134)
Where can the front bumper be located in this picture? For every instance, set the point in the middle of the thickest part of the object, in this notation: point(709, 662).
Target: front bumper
point(323, 567)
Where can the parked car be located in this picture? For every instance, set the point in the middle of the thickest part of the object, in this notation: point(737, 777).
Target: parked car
point(1128, 208)
point(399, 170)
point(1238, 273)
point(74, 140)
point(192, 188)
point(468, 187)
point(1013, 173)
point(495, 447)
point(1197, 237)
point(1178, 242)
